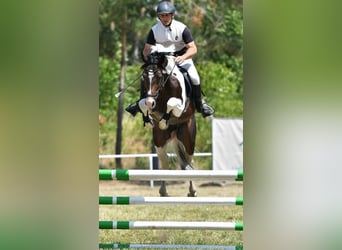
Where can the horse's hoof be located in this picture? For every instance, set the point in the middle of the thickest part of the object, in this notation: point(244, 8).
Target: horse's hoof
point(192, 194)
point(148, 121)
point(164, 195)
point(163, 124)
point(148, 125)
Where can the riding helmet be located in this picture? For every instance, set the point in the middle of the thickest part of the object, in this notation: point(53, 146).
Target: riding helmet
point(165, 7)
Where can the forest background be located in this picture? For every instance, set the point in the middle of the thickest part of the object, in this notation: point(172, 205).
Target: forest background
point(217, 28)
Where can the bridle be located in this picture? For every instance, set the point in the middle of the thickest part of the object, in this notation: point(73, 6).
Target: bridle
point(151, 69)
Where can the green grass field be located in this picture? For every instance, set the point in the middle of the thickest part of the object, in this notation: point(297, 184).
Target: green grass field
point(170, 213)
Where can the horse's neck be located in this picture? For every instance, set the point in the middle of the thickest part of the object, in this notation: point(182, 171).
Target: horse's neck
point(170, 64)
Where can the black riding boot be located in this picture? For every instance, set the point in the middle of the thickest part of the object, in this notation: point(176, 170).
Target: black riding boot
point(201, 106)
point(134, 108)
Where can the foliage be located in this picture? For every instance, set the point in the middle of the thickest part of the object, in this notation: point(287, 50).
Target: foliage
point(220, 89)
point(108, 72)
point(112, 23)
point(222, 94)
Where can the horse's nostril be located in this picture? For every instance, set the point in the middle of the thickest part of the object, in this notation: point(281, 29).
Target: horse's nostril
point(150, 102)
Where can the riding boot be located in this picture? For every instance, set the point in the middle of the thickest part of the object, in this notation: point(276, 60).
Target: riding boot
point(200, 105)
point(134, 108)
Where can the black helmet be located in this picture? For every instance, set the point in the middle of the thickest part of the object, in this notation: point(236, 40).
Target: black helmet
point(165, 7)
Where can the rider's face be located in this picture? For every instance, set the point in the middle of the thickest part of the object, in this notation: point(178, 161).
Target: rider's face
point(165, 18)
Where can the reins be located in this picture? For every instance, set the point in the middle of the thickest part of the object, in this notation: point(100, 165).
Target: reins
point(162, 83)
point(129, 85)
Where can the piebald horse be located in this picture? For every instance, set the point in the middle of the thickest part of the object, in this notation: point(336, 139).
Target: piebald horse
point(172, 111)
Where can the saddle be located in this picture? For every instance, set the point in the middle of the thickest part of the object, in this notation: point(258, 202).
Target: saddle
point(187, 80)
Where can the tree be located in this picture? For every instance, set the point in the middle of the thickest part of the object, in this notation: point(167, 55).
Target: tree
point(119, 17)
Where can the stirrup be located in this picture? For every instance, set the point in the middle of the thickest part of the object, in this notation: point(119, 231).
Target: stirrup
point(206, 110)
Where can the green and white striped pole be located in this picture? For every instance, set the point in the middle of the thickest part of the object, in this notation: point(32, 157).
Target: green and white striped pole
point(165, 246)
point(196, 225)
point(133, 174)
point(139, 200)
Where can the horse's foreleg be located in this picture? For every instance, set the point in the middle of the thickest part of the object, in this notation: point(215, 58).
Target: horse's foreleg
point(164, 122)
point(164, 165)
point(176, 107)
point(144, 109)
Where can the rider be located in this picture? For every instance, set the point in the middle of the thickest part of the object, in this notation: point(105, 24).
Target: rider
point(175, 37)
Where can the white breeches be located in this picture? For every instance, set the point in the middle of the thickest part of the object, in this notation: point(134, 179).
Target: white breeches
point(189, 65)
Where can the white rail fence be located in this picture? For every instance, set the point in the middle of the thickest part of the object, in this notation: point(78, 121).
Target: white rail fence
point(150, 156)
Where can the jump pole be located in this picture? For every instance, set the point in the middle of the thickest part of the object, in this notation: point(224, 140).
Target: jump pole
point(188, 225)
point(174, 175)
point(140, 200)
point(167, 246)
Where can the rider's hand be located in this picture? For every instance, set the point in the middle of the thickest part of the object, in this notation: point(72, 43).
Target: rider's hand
point(180, 59)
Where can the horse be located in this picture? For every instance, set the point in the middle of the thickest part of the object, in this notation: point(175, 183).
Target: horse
point(172, 111)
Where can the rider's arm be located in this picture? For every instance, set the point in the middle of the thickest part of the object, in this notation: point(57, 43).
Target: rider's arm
point(148, 45)
point(190, 45)
point(147, 51)
point(191, 50)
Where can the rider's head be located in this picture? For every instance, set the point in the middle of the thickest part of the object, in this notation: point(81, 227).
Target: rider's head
point(165, 12)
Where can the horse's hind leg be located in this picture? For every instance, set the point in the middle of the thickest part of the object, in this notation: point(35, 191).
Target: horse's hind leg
point(165, 165)
point(192, 187)
point(186, 163)
point(192, 190)
point(162, 190)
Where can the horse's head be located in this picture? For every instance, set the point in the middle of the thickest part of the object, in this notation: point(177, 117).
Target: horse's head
point(153, 80)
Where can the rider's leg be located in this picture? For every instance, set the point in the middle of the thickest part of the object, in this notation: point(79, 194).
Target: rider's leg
point(201, 106)
point(134, 108)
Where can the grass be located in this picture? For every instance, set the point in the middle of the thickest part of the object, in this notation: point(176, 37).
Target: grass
point(170, 213)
